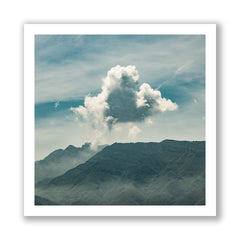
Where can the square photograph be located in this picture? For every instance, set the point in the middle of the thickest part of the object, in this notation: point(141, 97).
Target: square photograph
point(119, 119)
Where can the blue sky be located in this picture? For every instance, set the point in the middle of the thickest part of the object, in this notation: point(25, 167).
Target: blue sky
point(70, 67)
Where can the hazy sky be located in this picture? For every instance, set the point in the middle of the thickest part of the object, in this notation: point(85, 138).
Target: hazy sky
point(139, 88)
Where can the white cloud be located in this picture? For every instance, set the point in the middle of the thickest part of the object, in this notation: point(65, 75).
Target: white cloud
point(133, 132)
point(147, 97)
point(120, 101)
point(56, 104)
point(149, 121)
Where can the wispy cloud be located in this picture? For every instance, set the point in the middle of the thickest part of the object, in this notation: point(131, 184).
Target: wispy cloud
point(68, 67)
point(56, 104)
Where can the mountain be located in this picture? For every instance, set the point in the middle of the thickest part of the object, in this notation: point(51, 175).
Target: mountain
point(59, 161)
point(138, 162)
point(170, 172)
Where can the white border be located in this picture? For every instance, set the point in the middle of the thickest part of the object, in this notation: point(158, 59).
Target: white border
point(209, 30)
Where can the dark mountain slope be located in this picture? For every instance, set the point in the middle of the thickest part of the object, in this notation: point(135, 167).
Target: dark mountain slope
point(138, 162)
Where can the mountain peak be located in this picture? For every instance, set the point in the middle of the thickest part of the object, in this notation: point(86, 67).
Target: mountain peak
point(70, 147)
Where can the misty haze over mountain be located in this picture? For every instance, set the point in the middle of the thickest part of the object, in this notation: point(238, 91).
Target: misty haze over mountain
point(166, 173)
point(59, 161)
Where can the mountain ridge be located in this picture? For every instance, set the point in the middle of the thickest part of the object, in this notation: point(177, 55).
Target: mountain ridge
point(61, 160)
point(167, 173)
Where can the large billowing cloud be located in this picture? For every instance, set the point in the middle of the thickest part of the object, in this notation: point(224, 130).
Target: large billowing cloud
point(121, 101)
